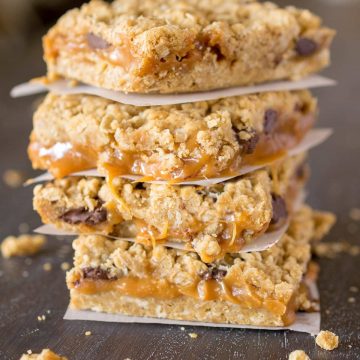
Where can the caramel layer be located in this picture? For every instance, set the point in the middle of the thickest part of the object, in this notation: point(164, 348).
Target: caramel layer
point(62, 159)
point(231, 239)
point(94, 49)
point(230, 289)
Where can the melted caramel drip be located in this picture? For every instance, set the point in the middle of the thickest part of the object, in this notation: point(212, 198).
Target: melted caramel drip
point(75, 158)
point(230, 240)
point(78, 158)
point(231, 289)
point(119, 55)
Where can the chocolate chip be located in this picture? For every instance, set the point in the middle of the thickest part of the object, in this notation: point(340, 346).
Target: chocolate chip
point(84, 216)
point(218, 274)
point(96, 274)
point(300, 107)
point(199, 45)
point(279, 208)
point(206, 275)
point(302, 171)
point(96, 42)
point(248, 146)
point(305, 46)
point(270, 119)
point(139, 186)
point(278, 59)
point(213, 273)
point(217, 51)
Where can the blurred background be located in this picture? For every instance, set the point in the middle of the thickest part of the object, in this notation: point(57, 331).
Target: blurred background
point(19, 18)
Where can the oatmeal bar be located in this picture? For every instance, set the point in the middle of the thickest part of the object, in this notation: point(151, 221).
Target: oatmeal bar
point(211, 220)
point(261, 288)
point(182, 46)
point(175, 143)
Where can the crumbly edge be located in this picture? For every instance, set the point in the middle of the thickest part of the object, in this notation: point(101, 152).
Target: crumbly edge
point(177, 309)
point(168, 208)
point(162, 134)
point(275, 273)
point(239, 44)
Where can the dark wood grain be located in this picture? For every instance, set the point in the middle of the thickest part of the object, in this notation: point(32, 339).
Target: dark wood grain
point(334, 186)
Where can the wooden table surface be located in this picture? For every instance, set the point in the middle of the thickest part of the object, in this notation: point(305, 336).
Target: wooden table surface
point(26, 290)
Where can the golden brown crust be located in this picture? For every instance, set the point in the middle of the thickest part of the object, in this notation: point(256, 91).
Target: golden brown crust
point(171, 46)
point(202, 216)
point(160, 141)
point(273, 274)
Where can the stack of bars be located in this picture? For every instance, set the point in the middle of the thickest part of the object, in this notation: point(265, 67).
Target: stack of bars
point(214, 229)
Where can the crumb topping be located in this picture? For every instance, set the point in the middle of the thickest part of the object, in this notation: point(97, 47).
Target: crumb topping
point(162, 136)
point(274, 273)
point(171, 46)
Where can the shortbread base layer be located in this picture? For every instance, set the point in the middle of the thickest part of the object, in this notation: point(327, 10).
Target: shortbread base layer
point(264, 288)
point(183, 308)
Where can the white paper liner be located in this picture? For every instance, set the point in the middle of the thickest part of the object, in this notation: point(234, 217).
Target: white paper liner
point(305, 322)
point(313, 138)
point(62, 87)
point(49, 229)
point(262, 243)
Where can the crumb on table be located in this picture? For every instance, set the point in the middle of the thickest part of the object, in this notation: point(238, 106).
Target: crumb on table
point(193, 335)
point(41, 318)
point(65, 266)
point(87, 333)
point(23, 245)
point(298, 355)
point(13, 178)
point(327, 340)
point(46, 354)
point(47, 266)
point(355, 214)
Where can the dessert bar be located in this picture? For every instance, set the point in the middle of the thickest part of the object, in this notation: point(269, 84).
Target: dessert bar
point(261, 288)
point(174, 143)
point(184, 46)
point(211, 220)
